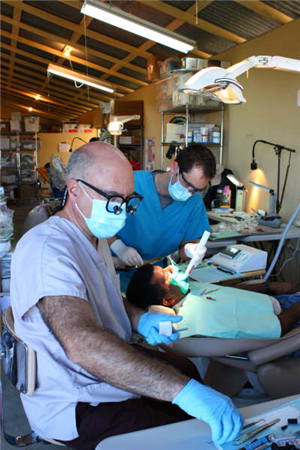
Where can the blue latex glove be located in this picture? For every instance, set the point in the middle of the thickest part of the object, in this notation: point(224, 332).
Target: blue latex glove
point(216, 409)
point(148, 326)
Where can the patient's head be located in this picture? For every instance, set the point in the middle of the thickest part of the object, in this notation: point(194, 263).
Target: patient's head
point(150, 285)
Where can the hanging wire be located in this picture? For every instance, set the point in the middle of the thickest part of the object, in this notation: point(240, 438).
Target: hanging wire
point(196, 12)
point(86, 54)
point(78, 85)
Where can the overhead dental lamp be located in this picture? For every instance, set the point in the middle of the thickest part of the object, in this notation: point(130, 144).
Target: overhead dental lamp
point(220, 84)
point(116, 125)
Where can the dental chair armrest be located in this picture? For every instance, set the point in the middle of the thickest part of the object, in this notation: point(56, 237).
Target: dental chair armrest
point(286, 345)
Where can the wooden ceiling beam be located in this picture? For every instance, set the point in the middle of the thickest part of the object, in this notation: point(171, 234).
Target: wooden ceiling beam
point(43, 60)
point(191, 19)
point(15, 29)
point(43, 99)
point(32, 105)
point(72, 43)
point(266, 11)
point(71, 26)
point(8, 101)
point(81, 61)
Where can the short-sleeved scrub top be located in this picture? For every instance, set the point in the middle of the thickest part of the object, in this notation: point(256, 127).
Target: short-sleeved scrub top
point(56, 259)
point(156, 232)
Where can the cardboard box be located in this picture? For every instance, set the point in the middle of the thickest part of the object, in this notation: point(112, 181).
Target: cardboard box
point(70, 127)
point(85, 128)
point(32, 123)
point(5, 126)
point(15, 125)
point(135, 140)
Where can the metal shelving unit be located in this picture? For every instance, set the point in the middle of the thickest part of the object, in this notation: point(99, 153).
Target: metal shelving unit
point(134, 152)
point(187, 110)
point(19, 150)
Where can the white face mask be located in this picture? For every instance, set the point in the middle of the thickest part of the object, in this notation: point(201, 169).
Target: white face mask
point(103, 224)
point(177, 191)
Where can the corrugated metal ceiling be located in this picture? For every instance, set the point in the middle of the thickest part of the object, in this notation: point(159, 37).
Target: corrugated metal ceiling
point(35, 33)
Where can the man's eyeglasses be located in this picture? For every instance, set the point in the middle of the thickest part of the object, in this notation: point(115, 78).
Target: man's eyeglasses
point(191, 187)
point(115, 202)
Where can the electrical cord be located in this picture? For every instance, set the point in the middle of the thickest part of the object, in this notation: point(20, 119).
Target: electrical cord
point(289, 259)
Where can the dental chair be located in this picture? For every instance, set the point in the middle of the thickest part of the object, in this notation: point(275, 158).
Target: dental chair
point(233, 362)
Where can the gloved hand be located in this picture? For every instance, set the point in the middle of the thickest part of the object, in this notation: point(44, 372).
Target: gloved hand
point(189, 250)
point(148, 326)
point(128, 255)
point(216, 409)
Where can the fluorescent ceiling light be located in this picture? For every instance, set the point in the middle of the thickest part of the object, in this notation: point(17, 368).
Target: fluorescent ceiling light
point(115, 126)
point(80, 78)
point(220, 84)
point(118, 18)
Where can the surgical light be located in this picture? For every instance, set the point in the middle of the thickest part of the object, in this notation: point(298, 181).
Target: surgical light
point(80, 78)
point(128, 22)
point(221, 84)
point(115, 126)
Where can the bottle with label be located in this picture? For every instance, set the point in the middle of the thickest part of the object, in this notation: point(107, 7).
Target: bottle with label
point(219, 198)
point(226, 197)
point(216, 135)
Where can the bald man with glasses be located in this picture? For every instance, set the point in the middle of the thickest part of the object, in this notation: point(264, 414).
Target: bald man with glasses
point(67, 306)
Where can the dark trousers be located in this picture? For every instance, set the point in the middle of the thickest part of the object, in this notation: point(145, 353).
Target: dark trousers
point(95, 423)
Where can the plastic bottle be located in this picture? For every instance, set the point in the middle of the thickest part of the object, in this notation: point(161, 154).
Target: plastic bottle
point(226, 197)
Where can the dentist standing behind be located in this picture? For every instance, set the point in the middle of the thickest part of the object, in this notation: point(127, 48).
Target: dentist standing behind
point(172, 214)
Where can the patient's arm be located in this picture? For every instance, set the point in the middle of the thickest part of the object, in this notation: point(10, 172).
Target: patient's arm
point(272, 288)
point(289, 317)
point(103, 354)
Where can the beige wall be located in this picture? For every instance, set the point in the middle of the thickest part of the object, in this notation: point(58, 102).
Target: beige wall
point(50, 141)
point(270, 114)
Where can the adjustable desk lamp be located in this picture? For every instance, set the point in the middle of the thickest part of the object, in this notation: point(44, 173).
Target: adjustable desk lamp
point(278, 149)
point(240, 192)
point(272, 220)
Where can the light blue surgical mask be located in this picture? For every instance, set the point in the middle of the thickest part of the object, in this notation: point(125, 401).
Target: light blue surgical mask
point(177, 191)
point(102, 223)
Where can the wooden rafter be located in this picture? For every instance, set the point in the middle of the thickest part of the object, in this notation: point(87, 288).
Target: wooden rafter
point(266, 10)
point(15, 29)
point(81, 61)
point(8, 101)
point(190, 18)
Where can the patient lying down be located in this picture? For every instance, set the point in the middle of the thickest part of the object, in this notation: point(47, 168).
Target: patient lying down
point(227, 312)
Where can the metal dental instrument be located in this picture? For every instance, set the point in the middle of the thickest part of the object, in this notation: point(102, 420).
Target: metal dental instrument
point(250, 424)
point(209, 292)
point(251, 434)
point(203, 292)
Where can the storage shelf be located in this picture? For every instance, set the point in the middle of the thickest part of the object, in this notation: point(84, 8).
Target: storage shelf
point(207, 144)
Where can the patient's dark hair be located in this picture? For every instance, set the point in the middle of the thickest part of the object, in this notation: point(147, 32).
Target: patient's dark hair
point(140, 292)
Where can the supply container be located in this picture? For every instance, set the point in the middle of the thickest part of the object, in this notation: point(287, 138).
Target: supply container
point(32, 123)
point(204, 134)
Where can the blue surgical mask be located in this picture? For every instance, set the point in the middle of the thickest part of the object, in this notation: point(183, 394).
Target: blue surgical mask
point(177, 191)
point(102, 223)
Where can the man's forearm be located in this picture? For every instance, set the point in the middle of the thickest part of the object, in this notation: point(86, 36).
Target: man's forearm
point(103, 354)
point(119, 364)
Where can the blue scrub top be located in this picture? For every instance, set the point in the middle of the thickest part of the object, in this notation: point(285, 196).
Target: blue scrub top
point(156, 232)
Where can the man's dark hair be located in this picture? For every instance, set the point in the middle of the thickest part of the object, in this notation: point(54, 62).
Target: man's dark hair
point(197, 155)
point(140, 292)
